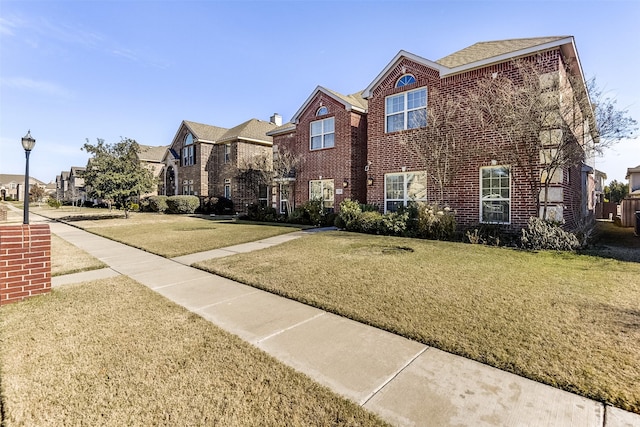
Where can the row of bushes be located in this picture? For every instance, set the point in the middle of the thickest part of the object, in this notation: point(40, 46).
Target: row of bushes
point(186, 205)
point(421, 220)
point(310, 213)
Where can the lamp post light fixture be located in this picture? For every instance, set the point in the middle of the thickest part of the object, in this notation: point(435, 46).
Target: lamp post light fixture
point(27, 143)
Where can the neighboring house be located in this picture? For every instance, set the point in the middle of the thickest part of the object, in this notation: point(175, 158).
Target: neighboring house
point(152, 158)
point(12, 186)
point(328, 134)
point(76, 192)
point(62, 186)
point(485, 189)
point(633, 175)
point(597, 199)
point(209, 161)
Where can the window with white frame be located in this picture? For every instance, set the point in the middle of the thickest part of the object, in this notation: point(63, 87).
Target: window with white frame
point(188, 151)
point(403, 188)
point(323, 190)
point(227, 153)
point(322, 133)
point(407, 79)
point(284, 199)
point(406, 110)
point(322, 111)
point(263, 195)
point(227, 188)
point(495, 194)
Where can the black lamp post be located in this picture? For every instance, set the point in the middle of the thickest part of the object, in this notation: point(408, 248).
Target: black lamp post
point(27, 143)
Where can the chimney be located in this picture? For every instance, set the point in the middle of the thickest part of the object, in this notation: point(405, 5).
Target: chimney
point(276, 119)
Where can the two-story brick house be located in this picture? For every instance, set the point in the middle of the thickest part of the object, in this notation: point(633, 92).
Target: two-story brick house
point(205, 160)
point(488, 186)
point(328, 135)
point(357, 146)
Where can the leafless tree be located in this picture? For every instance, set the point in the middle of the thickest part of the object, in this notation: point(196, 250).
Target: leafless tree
point(437, 144)
point(285, 166)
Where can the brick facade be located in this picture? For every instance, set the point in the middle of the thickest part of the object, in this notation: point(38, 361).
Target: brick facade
point(25, 262)
point(344, 163)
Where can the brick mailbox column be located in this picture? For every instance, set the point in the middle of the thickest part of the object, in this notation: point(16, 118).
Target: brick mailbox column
point(25, 261)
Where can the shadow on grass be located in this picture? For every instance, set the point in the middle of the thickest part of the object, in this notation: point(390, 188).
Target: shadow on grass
point(72, 218)
point(612, 241)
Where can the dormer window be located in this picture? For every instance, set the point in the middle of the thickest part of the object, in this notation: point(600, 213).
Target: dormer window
point(188, 139)
point(322, 111)
point(407, 79)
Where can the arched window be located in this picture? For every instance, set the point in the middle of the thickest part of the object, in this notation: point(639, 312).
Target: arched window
point(407, 79)
point(188, 139)
point(322, 111)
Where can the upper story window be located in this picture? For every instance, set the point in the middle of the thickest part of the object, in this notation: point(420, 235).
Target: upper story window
point(188, 151)
point(495, 197)
point(322, 111)
point(407, 79)
point(322, 133)
point(227, 153)
point(406, 110)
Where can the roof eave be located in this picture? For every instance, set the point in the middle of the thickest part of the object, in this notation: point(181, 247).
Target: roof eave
point(403, 53)
point(281, 131)
point(347, 105)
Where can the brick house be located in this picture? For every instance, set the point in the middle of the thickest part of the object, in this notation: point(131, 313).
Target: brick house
point(328, 134)
point(205, 160)
point(12, 186)
point(485, 189)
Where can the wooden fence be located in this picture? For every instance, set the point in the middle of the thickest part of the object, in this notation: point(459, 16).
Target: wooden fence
point(629, 208)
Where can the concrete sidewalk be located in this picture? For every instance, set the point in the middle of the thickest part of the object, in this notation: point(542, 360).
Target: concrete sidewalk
point(405, 382)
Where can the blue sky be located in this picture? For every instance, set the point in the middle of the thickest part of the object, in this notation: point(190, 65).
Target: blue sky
point(72, 70)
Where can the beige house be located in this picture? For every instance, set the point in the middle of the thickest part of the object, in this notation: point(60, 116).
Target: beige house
point(12, 186)
point(152, 158)
point(633, 175)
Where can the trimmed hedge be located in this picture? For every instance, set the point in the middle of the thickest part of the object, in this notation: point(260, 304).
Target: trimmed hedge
point(182, 204)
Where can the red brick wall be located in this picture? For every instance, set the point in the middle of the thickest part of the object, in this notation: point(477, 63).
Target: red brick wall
point(344, 161)
point(388, 152)
point(25, 261)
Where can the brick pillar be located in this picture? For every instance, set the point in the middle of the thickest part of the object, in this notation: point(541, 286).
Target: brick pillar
point(25, 261)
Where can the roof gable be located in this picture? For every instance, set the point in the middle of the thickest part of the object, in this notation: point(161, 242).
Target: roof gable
point(354, 102)
point(202, 132)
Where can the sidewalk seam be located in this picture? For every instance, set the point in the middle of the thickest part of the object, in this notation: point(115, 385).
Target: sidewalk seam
point(290, 327)
point(393, 376)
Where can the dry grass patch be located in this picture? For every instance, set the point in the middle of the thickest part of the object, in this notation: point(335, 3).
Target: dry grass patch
point(113, 352)
point(173, 235)
point(567, 320)
point(67, 258)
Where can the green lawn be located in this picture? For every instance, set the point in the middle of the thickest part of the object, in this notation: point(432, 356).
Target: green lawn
point(114, 353)
point(572, 321)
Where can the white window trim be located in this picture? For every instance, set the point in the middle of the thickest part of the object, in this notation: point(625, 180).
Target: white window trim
point(227, 154)
point(405, 199)
point(480, 210)
point(322, 134)
point(406, 110)
point(322, 188)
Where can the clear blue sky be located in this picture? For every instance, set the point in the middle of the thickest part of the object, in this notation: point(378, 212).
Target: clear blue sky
point(71, 70)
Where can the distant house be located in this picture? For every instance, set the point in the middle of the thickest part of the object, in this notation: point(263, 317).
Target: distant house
point(328, 134)
point(633, 175)
point(152, 158)
point(76, 193)
point(12, 186)
point(208, 161)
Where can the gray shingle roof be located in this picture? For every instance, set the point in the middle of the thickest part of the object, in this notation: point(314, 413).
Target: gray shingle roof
point(205, 132)
point(151, 153)
point(490, 49)
point(254, 129)
point(355, 99)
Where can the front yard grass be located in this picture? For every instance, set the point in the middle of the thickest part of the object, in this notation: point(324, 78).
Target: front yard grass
point(113, 352)
point(67, 258)
point(176, 235)
point(571, 321)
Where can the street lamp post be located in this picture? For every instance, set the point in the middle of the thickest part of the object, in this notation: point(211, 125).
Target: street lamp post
point(27, 143)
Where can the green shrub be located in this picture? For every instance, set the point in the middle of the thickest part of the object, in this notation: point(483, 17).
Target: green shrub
point(134, 207)
point(54, 203)
point(394, 223)
point(369, 222)
point(430, 222)
point(542, 234)
point(312, 213)
point(256, 212)
point(349, 215)
point(156, 203)
point(182, 204)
